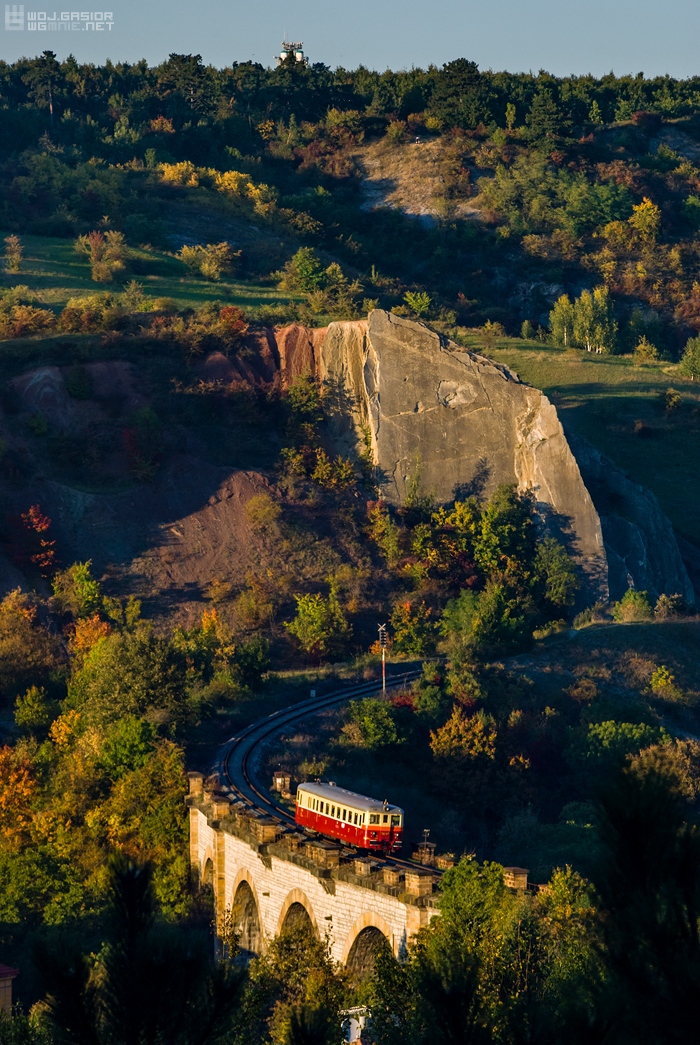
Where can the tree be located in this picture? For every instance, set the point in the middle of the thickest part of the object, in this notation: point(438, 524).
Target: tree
point(76, 590)
point(561, 321)
point(595, 326)
point(545, 119)
point(464, 737)
point(18, 787)
point(649, 888)
point(320, 625)
point(510, 116)
point(690, 360)
point(554, 574)
point(310, 1024)
point(42, 76)
point(303, 273)
point(131, 674)
point(460, 96)
point(646, 221)
point(634, 605)
point(594, 114)
point(414, 632)
point(498, 617)
point(13, 253)
point(506, 531)
point(151, 983)
point(452, 1009)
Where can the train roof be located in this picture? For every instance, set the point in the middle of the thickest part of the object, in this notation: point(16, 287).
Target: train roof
point(333, 793)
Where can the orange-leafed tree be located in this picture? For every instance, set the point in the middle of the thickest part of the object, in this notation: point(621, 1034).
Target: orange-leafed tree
point(18, 788)
point(464, 737)
point(85, 636)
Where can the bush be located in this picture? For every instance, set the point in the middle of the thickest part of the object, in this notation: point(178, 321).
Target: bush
point(77, 591)
point(13, 253)
point(304, 273)
point(108, 253)
point(414, 632)
point(634, 606)
point(212, 261)
point(320, 626)
point(374, 722)
point(591, 615)
point(645, 354)
point(672, 400)
point(263, 512)
point(527, 331)
point(669, 606)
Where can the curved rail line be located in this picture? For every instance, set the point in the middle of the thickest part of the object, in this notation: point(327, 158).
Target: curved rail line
point(235, 764)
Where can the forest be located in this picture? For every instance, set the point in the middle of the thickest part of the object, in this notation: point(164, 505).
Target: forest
point(156, 219)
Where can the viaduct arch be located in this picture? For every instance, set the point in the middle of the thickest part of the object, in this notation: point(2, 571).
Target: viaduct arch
point(268, 877)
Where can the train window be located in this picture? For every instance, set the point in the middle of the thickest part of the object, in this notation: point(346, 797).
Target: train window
point(385, 819)
point(355, 817)
point(345, 814)
point(373, 818)
point(333, 811)
point(326, 808)
point(395, 820)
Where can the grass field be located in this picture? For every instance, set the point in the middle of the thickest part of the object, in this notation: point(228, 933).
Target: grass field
point(55, 272)
point(602, 398)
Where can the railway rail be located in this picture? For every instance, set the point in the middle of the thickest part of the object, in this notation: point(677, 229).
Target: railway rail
point(237, 759)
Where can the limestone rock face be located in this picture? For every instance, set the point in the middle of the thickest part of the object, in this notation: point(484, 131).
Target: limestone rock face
point(468, 423)
point(641, 547)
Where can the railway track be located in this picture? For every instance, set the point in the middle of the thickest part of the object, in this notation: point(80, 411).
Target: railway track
point(237, 760)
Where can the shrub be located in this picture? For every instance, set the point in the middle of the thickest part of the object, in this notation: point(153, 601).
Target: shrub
point(397, 131)
point(591, 615)
point(375, 726)
point(165, 305)
point(13, 253)
point(490, 332)
point(672, 400)
point(320, 626)
point(419, 302)
point(304, 273)
point(663, 684)
point(25, 320)
point(527, 331)
point(133, 298)
point(212, 261)
point(414, 632)
point(669, 606)
point(634, 606)
point(76, 590)
point(554, 627)
point(645, 354)
point(263, 512)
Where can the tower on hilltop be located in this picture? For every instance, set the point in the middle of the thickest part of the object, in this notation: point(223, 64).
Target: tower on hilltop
point(292, 50)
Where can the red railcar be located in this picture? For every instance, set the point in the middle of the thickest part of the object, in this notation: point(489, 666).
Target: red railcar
point(351, 818)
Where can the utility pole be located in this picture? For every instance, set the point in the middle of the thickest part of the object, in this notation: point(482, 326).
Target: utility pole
point(382, 643)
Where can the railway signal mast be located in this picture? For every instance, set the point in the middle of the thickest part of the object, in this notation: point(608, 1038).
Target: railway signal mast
point(382, 643)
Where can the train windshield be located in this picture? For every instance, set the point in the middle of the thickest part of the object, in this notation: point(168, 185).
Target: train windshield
point(395, 820)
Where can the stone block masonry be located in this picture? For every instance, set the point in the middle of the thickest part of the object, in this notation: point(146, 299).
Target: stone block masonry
point(270, 878)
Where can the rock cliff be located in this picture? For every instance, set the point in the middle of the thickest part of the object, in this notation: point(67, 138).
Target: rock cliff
point(468, 423)
point(641, 547)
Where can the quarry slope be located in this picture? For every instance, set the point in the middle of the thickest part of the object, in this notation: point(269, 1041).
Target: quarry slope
point(420, 402)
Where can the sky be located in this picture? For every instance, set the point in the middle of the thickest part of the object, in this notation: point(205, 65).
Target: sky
point(561, 36)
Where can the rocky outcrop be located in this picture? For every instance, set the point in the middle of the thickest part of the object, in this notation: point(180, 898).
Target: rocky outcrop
point(466, 422)
point(641, 547)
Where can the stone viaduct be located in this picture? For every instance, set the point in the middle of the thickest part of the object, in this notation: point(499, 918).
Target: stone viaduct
point(269, 876)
